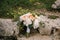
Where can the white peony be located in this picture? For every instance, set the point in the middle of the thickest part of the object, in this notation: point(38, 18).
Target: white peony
point(27, 21)
point(36, 22)
point(23, 17)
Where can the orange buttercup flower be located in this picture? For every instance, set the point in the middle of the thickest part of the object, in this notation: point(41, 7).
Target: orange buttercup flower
point(32, 17)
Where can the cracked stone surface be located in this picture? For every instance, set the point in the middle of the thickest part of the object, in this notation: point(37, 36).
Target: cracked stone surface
point(7, 27)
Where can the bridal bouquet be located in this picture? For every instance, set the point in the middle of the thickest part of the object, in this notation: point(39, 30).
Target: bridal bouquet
point(42, 23)
point(27, 20)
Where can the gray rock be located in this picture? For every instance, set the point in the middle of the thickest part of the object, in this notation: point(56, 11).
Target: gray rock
point(56, 34)
point(56, 5)
point(47, 24)
point(8, 28)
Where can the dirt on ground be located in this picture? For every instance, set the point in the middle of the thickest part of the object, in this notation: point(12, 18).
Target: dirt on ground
point(48, 12)
point(38, 37)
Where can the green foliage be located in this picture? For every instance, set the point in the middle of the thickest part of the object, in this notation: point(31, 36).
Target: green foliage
point(47, 3)
point(10, 8)
point(7, 7)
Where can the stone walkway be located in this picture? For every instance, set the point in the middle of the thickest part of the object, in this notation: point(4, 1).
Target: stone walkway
point(36, 37)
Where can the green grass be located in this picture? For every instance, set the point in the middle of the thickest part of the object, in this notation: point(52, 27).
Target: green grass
point(10, 8)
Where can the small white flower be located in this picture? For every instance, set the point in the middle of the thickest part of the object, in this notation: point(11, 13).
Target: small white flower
point(28, 30)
